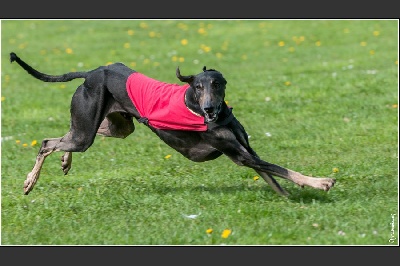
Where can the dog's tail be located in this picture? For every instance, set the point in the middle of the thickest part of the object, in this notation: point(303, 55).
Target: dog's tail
point(44, 77)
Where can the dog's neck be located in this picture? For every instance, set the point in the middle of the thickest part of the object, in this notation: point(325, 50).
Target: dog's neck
point(191, 103)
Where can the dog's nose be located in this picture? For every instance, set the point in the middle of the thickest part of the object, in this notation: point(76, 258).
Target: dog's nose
point(209, 110)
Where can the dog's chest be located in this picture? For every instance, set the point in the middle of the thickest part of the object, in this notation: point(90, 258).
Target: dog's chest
point(162, 104)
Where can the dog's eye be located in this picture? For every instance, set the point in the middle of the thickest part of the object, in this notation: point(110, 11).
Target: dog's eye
point(199, 87)
point(215, 84)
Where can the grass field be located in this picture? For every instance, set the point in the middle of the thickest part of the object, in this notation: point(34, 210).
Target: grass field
point(316, 96)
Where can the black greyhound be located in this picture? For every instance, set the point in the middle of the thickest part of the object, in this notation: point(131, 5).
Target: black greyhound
point(104, 105)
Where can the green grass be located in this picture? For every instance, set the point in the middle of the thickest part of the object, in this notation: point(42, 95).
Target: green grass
point(326, 91)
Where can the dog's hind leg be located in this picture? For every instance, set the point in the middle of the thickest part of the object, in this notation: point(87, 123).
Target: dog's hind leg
point(66, 161)
point(87, 112)
point(45, 150)
point(116, 125)
point(67, 143)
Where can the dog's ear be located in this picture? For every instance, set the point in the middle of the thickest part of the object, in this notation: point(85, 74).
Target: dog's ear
point(210, 69)
point(187, 79)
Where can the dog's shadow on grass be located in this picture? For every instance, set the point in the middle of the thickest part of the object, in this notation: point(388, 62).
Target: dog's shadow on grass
point(266, 193)
point(309, 196)
point(296, 194)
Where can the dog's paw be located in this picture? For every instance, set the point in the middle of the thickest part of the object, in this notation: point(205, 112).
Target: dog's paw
point(29, 182)
point(66, 161)
point(326, 183)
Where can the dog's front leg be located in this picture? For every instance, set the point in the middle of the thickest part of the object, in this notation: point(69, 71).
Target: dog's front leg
point(272, 182)
point(295, 177)
point(227, 143)
point(303, 180)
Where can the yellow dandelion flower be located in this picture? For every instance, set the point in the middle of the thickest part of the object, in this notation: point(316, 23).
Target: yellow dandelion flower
point(226, 102)
point(34, 142)
point(143, 25)
point(206, 49)
point(291, 49)
point(131, 32)
point(209, 231)
point(201, 31)
point(62, 86)
point(218, 55)
point(394, 105)
point(152, 34)
point(174, 58)
point(376, 33)
point(184, 42)
point(68, 51)
point(225, 45)
point(372, 52)
point(298, 40)
point(288, 83)
point(335, 170)
point(226, 233)
point(182, 26)
point(396, 62)
point(17, 141)
point(108, 63)
point(281, 43)
point(168, 156)
point(25, 145)
point(181, 59)
point(3, 98)
point(146, 61)
point(256, 178)
point(363, 43)
point(127, 45)
point(318, 43)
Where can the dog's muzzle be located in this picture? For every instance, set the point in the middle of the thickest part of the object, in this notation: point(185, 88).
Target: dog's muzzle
point(211, 113)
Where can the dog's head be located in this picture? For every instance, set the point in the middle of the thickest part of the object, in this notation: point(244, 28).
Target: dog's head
point(209, 91)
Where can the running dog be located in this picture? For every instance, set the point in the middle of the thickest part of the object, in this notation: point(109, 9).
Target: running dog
point(193, 119)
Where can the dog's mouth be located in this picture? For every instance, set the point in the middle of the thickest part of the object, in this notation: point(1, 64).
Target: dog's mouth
point(211, 114)
point(211, 117)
